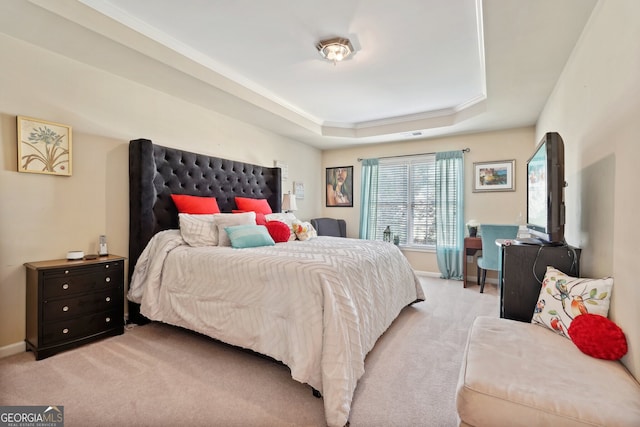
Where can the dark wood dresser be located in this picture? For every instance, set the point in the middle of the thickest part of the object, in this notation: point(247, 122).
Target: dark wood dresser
point(71, 303)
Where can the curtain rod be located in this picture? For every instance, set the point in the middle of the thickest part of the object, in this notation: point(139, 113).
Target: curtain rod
point(464, 150)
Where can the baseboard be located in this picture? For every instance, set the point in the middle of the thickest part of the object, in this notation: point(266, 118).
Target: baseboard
point(471, 279)
point(11, 349)
point(427, 273)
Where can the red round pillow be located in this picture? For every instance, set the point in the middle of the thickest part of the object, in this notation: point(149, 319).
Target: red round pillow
point(279, 231)
point(598, 336)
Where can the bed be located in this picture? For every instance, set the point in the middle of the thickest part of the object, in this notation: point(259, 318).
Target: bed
point(317, 305)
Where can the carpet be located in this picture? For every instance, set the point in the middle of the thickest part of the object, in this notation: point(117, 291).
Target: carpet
point(159, 375)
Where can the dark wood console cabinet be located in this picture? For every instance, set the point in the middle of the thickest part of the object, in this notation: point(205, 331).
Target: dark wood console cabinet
point(71, 303)
point(522, 272)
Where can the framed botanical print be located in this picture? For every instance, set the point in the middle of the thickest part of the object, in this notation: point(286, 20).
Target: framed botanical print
point(44, 147)
point(340, 186)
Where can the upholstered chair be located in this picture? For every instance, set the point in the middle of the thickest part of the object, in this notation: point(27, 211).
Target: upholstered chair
point(330, 227)
point(490, 250)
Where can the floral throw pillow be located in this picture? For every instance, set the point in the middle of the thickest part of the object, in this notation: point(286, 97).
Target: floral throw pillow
point(563, 298)
point(304, 230)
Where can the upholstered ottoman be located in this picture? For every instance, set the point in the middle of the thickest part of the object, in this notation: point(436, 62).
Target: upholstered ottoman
point(519, 374)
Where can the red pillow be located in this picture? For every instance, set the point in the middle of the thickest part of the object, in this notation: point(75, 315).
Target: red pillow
point(279, 231)
point(260, 218)
point(598, 336)
point(195, 205)
point(255, 205)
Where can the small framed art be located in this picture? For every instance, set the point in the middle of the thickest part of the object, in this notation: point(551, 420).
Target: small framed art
point(340, 186)
point(44, 147)
point(494, 176)
point(298, 189)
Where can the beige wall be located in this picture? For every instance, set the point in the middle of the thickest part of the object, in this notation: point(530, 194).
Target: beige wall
point(42, 217)
point(493, 208)
point(596, 108)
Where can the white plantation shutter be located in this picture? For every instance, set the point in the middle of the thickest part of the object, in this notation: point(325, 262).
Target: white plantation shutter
point(406, 199)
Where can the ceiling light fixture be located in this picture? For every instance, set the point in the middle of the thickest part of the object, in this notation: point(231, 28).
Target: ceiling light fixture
point(335, 49)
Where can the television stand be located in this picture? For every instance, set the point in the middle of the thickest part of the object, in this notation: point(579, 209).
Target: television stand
point(536, 242)
point(528, 241)
point(521, 270)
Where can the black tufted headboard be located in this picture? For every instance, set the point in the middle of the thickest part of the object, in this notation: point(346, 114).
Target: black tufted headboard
point(156, 172)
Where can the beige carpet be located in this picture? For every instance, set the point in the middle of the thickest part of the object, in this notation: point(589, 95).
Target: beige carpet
point(158, 375)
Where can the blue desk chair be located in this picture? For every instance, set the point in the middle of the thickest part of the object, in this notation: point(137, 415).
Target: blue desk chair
point(491, 251)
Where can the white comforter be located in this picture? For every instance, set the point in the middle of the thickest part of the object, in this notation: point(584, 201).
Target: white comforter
point(318, 305)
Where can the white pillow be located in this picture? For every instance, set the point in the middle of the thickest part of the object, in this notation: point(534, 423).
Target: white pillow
point(228, 220)
point(198, 230)
point(286, 217)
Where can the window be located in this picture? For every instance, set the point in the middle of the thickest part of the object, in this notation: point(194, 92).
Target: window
point(406, 199)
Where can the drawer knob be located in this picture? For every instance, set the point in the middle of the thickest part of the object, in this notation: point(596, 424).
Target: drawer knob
point(66, 272)
point(65, 286)
point(65, 308)
point(107, 299)
point(108, 279)
point(106, 266)
point(108, 319)
point(65, 331)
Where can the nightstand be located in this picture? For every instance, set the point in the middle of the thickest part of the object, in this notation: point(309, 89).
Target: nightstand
point(71, 303)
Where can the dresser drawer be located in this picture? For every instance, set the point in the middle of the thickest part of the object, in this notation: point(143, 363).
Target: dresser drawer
point(72, 303)
point(59, 309)
point(80, 327)
point(61, 282)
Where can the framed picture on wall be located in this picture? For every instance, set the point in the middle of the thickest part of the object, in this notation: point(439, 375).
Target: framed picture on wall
point(494, 176)
point(340, 186)
point(44, 147)
point(298, 189)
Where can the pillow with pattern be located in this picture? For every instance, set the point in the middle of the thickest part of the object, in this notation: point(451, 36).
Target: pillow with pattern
point(562, 298)
point(260, 218)
point(227, 220)
point(198, 230)
point(304, 230)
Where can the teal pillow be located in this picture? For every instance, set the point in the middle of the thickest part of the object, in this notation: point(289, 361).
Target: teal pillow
point(249, 236)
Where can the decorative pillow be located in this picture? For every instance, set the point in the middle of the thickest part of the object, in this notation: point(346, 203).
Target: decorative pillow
point(563, 297)
point(279, 231)
point(195, 204)
point(228, 220)
point(249, 236)
point(198, 230)
point(598, 337)
point(286, 217)
point(260, 217)
point(304, 230)
point(255, 205)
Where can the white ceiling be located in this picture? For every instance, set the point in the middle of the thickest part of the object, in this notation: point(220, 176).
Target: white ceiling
point(422, 68)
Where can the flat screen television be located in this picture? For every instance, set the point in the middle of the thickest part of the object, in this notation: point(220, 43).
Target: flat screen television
point(545, 190)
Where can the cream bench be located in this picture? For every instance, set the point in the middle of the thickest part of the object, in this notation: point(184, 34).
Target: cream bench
point(518, 374)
